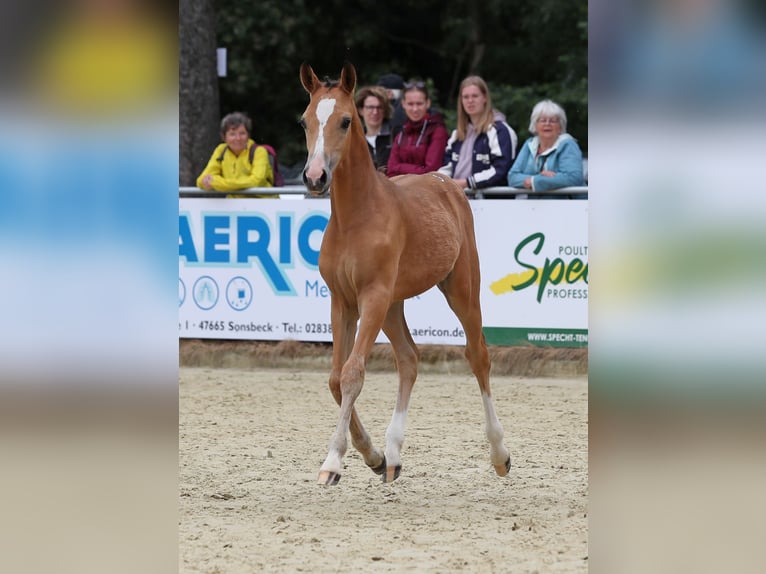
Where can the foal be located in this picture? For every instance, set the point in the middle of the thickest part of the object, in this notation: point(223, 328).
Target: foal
point(386, 241)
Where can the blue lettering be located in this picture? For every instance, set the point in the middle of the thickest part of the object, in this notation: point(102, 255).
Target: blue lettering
point(285, 228)
point(313, 288)
point(185, 240)
point(260, 250)
point(213, 239)
point(310, 225)
point(235, 239)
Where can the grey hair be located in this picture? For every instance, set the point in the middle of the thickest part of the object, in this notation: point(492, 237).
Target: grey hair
point(234, 120)
point(547, 108)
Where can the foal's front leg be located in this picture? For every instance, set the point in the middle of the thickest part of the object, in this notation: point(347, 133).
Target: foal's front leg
point(346, 381)
point(351, 381)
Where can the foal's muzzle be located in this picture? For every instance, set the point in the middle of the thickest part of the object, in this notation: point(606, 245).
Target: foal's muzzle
point(319, 186)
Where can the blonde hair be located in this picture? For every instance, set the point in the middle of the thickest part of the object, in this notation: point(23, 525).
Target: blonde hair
point(463, 119)
point(376, 92)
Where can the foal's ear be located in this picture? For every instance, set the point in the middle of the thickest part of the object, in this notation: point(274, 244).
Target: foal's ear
point(348, 78)
point(309, 78)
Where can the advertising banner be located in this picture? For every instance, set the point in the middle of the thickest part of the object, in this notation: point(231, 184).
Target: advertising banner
point(534, 271)
point(248, 269)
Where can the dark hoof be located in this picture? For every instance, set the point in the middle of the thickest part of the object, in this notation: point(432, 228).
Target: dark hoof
point(392, 473)
point(381, 468)
point(328, 478)
point(503, 469)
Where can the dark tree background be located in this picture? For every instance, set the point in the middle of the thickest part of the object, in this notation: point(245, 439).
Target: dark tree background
point(197, 88)
point(526, 51)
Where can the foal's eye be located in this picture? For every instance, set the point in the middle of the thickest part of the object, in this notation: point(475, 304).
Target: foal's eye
point(302, 123)
point(345, 123)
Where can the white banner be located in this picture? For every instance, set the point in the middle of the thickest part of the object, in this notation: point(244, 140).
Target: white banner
point(248, 270)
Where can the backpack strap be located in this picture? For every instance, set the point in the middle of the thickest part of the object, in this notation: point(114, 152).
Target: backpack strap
point(269, 154)
point(251, 155)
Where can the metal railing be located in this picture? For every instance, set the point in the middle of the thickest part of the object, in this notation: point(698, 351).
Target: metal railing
point(300, 190)
point(520, 193)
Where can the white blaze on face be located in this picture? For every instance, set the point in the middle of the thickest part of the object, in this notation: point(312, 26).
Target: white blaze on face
point(324, 111)
point(315, 165)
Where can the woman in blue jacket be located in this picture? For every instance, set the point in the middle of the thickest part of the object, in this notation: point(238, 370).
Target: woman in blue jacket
point(481, 150)
point(551, 158)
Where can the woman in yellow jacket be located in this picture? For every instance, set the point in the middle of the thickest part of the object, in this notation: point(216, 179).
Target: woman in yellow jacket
point(233, 164)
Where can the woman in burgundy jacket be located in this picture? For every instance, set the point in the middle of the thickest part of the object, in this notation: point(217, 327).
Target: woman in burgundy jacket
point(419, 147)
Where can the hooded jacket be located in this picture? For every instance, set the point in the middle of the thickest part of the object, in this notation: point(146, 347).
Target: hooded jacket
point(493, 154)
point(564, 158)
point(419, 147)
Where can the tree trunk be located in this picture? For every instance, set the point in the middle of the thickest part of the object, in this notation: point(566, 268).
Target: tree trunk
point(477, 41)
point(199, 112)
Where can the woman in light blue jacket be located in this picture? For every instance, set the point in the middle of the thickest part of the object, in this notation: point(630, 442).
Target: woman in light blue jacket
point(551, 159)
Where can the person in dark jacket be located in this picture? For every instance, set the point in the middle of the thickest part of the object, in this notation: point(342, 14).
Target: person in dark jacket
point(419, 147)
point(375, 111)
point(394, 84)
point(481, 150)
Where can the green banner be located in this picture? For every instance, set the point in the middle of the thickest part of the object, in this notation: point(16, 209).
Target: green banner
point(522, 336)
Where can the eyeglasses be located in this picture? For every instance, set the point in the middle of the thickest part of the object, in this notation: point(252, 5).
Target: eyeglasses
point(547, 120)
point(373, 108)
point(418, 85)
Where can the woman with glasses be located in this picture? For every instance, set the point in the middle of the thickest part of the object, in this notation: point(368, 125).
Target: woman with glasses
point(551, 158)
point(375, 110)
point(419, 147)
point(481, 150)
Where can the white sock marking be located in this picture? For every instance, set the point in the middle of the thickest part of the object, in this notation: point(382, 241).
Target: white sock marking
point(494, 428)
point(395, 432)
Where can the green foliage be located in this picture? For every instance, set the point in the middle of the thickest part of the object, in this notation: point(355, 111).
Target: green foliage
point(525, 50)
point(517, 104)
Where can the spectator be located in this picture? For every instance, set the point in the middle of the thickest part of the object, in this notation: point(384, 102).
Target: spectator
point(394, 84)
point(375, 110)
point(551, 158)
point(237, 163)
point(482, 149)
point(419, 147)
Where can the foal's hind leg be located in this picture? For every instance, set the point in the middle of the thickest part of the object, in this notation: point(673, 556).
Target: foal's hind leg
point(406, 355)
point(461, 288)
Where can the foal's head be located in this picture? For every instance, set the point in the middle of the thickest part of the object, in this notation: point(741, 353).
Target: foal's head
point(327, 122)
